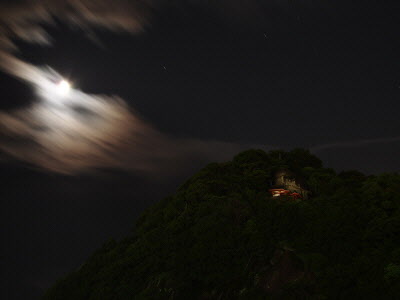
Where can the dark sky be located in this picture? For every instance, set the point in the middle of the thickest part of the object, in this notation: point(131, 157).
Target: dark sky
point(284, 73)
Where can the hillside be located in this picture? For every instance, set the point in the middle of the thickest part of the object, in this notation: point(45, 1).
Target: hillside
point(223, 236)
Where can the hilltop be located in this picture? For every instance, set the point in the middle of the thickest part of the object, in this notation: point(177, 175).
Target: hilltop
point(223, 235)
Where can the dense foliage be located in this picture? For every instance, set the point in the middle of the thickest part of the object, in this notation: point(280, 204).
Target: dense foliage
point(217, 236)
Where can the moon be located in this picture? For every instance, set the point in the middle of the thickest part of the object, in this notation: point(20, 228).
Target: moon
point(63, 87)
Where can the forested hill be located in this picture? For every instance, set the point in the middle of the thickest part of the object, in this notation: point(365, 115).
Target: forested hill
point(222, 236)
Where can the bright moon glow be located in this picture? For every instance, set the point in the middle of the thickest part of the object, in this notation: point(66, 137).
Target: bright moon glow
point(63, 87)
point(55, 89)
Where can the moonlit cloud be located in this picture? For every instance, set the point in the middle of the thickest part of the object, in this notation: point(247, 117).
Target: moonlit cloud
point(76, 132)
point(79, 132)
point(24, 21)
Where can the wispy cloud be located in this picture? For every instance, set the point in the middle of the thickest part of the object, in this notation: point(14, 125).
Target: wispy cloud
point(24, 18)
point(354, 144)
point(81, 132)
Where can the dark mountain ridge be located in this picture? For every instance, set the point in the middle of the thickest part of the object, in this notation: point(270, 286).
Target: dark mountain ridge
point(223, 236)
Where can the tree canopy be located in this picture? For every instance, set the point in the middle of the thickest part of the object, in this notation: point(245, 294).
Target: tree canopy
point(222, 236)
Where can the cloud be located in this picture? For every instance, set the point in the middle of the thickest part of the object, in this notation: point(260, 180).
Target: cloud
point(23, 19)
point(79, 132)
point(354, 144)
point(68, 137)
point(83, 132)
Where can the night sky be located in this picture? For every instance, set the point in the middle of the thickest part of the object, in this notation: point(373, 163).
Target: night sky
point(194, 83)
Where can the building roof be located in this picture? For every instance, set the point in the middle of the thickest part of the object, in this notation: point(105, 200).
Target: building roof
point(289, 174)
